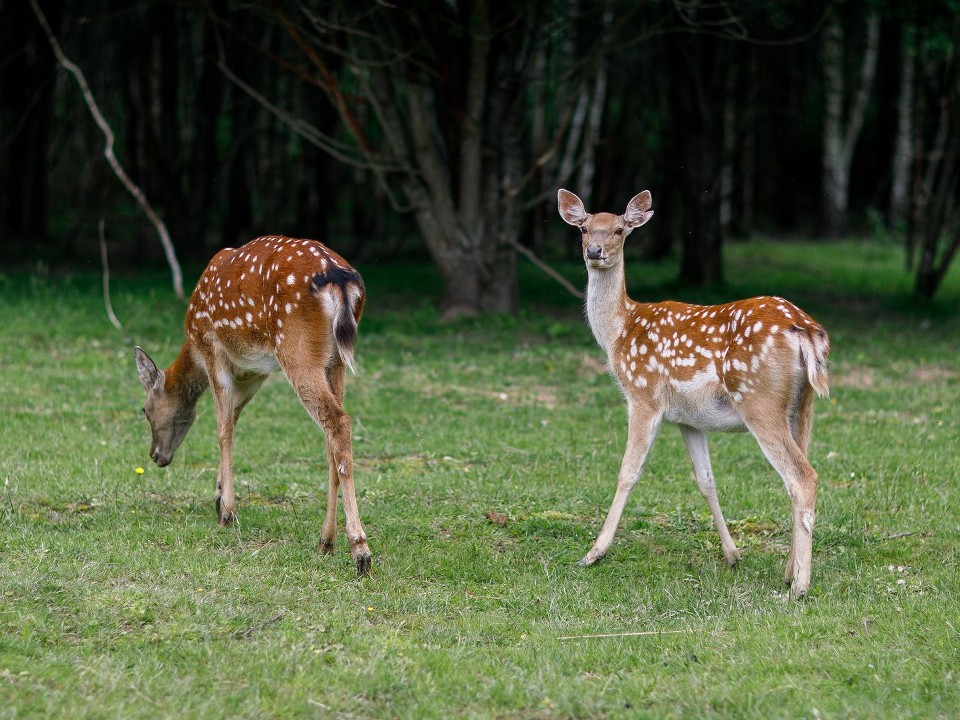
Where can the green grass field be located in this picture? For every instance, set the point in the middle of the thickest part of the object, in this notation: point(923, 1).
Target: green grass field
point(486, 456)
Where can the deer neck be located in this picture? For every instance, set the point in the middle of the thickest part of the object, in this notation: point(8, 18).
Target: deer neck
point(186, 378)
point(607, 304)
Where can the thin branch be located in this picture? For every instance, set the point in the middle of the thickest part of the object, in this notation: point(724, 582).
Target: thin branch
point(301, 127)
point(339, 101)
point(254, 629)
point(897, 536)
point(528, 253)
point(106, 281)
point(626, 634)
point(118, 170)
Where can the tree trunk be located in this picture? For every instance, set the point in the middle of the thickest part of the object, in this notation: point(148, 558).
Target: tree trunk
point(26, 104)
point(903, 147)
point(840, 135)
point(696, 68)
point(598, 102)
point(201, 161)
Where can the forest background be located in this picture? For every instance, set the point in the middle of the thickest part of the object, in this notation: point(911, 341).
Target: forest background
point(444, 128)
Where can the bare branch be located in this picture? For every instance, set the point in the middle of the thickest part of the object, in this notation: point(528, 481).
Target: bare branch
point(108, 153)
point(528, 253)
point(308, 132)
point(624, 634)
point(106, 281)
point(339, 101)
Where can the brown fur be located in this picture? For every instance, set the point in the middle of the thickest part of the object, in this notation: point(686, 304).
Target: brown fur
point(257, 309)
point(753, 365)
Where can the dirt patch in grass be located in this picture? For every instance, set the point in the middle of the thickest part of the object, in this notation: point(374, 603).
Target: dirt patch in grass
point(856, 377)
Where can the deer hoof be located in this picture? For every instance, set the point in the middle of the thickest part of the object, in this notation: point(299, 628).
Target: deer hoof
point(591, 558)
point(223, 517)
point(363, 561)
point(733, 559)
point(326, 546)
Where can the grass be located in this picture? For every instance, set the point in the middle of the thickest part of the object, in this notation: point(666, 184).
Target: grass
point(487, 452)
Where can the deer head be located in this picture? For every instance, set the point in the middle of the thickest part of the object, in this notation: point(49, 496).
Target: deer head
point(603, 233)
point(170, 415)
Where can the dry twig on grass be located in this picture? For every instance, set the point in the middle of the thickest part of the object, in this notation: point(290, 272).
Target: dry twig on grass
point(626, 634)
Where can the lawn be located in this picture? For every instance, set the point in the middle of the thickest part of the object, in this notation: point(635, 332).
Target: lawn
point(486, 456)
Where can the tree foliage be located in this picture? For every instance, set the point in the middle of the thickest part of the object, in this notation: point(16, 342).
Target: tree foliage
point(446, 126)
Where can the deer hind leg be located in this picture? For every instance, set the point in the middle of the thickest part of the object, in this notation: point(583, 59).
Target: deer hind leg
point(328, 535)
point(801, 420)
point(801, 480)
point(801, 425)
point(641, 432)
point(696, 442)
point(323, 405)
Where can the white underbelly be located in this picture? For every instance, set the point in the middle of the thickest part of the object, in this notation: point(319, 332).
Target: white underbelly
point(260, 363)
point(715, 417)
point(703, 405)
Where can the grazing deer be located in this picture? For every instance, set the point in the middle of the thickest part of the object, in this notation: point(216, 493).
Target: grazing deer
point(277, 303)
point(747, 365)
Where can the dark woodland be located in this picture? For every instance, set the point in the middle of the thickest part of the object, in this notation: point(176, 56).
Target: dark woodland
point(443, 128)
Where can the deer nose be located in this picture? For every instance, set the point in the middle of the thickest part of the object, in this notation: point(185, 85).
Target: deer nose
point(594, 252)
point(159, 458)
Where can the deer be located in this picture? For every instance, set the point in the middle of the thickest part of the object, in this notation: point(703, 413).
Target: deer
point(275, 303)
point(750, 365)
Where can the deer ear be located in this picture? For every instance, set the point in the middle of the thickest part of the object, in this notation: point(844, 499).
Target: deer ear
point(638, 210)
point(149, 375)
point(571, 208)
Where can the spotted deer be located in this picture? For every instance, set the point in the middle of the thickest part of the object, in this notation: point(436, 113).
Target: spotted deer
point(277, 303)
point(751, 365)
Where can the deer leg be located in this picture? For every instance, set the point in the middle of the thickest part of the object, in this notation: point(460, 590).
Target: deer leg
point(696, 442)
point(801, 425)
point(230, 398)
point(801, 481)
point(801, 421)
point(224, 499)
point(328, 535)
point(641, 432)
point(320, 401)
point(338, 434)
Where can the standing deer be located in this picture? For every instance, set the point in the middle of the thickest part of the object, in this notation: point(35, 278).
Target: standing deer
point(747, 365)
point(277, 303)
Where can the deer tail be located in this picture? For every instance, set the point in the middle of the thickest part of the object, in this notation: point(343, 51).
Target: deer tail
point(814, 348)
point(342, 291)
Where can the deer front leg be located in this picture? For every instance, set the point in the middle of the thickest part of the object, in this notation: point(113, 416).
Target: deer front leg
point(228, 407)
point(641, 432)
point(225, 500)
point(230, 399)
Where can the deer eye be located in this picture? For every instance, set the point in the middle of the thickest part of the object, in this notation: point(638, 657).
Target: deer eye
point(143, 410)
point(618, 231)
point(583, 230)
